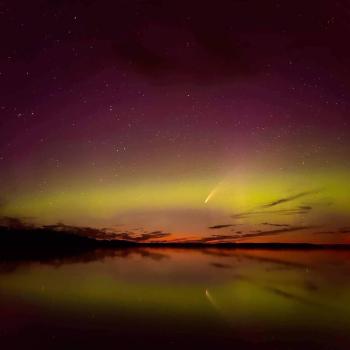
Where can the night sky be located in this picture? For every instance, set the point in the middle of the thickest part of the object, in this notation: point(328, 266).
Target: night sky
point(210, 120)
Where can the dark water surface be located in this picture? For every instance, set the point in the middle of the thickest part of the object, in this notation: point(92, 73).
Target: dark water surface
point(178, 298)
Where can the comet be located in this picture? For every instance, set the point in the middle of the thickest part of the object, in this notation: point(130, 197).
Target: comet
point(213, 192)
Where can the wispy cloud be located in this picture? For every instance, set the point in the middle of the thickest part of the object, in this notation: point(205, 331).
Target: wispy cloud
point(242, 235)
point(13, 222)
point(272, 232)
point(90, 232)
point(294, 211)
point(141, 237)
point(220, 226)
point(214, 238)
point(272, 224)
point(289, 199)
point(342, 230)
point(264, 209)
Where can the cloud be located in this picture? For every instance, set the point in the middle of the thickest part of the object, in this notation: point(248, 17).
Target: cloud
point(81, 231)
point(166, 47)
point(13, 223)
point(289, 199)
point(216, 238)
point(294, 211)
point(140, 237)
point(273, 232)
point(220, 226)
point(305, 207)
point(90, 232)
point(165, 41)
point(342, 230)
point(298, 210)
point(107, 234)
point(239, 235)
point(271, 224)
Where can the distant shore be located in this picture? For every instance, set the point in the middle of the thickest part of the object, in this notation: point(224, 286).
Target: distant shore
point(41, 237)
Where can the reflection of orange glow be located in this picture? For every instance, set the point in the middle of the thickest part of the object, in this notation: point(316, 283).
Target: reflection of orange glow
point(295, 257)
point(286, 291)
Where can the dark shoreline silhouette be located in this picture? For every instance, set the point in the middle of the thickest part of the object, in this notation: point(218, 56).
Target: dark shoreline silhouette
point(47, 242)
point(42, 237)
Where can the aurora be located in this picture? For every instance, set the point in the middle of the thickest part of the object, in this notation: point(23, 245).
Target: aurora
point(174, 174)
point(121, 123)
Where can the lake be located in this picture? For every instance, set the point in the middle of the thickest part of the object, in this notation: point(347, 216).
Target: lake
point(178, 298)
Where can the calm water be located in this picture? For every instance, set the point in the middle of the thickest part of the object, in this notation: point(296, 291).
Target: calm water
point(178, 298)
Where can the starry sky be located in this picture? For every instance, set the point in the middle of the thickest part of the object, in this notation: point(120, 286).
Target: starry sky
point(187, 120)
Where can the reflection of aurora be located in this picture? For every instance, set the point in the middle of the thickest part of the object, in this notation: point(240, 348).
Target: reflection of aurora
point(304, 289)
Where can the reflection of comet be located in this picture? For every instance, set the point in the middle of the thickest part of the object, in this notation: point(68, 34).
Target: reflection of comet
point(211, 300)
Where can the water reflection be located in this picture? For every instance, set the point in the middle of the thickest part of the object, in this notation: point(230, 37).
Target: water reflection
point(178, 298)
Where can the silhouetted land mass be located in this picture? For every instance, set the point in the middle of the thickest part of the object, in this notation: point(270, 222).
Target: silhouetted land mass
point(48, 242)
